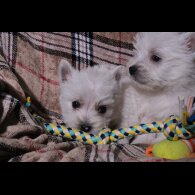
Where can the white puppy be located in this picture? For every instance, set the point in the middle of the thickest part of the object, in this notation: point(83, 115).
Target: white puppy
point(162, 67)
point(89, 98)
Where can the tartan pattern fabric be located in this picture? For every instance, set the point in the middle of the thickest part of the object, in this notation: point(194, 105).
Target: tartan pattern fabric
point(36, 55)
point(28, 67)
point(82, 49)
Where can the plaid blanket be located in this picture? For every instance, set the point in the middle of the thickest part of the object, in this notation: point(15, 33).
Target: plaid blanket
point(28, 67)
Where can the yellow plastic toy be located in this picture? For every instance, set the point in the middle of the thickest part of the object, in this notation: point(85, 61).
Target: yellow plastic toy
point(172, 150)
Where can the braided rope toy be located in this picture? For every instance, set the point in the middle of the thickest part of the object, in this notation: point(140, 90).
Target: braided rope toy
point(172, 128)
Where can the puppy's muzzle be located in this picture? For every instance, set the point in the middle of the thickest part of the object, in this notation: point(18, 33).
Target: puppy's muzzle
point(85, 127)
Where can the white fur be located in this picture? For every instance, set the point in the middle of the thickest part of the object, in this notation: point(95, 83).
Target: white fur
point(153, 92)
point(93, 86)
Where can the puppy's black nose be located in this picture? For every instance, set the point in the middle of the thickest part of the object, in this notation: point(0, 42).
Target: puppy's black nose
point(133, 70)
point(85, 128)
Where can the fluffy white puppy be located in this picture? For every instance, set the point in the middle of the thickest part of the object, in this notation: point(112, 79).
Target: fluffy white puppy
point(89, 98)
point(162, 67)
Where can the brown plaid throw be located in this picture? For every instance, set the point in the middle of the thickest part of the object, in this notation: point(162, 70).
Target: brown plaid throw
point(28, 67)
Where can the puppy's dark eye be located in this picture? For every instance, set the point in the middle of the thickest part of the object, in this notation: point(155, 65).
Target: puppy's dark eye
point(156, 58)
point(102, 109)
point(76, 104)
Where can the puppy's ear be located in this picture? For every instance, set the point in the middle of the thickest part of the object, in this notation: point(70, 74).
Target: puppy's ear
point(64, 70)
point(191, 40)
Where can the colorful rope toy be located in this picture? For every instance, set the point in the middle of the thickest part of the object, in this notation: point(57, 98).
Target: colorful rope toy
point(172, 128)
